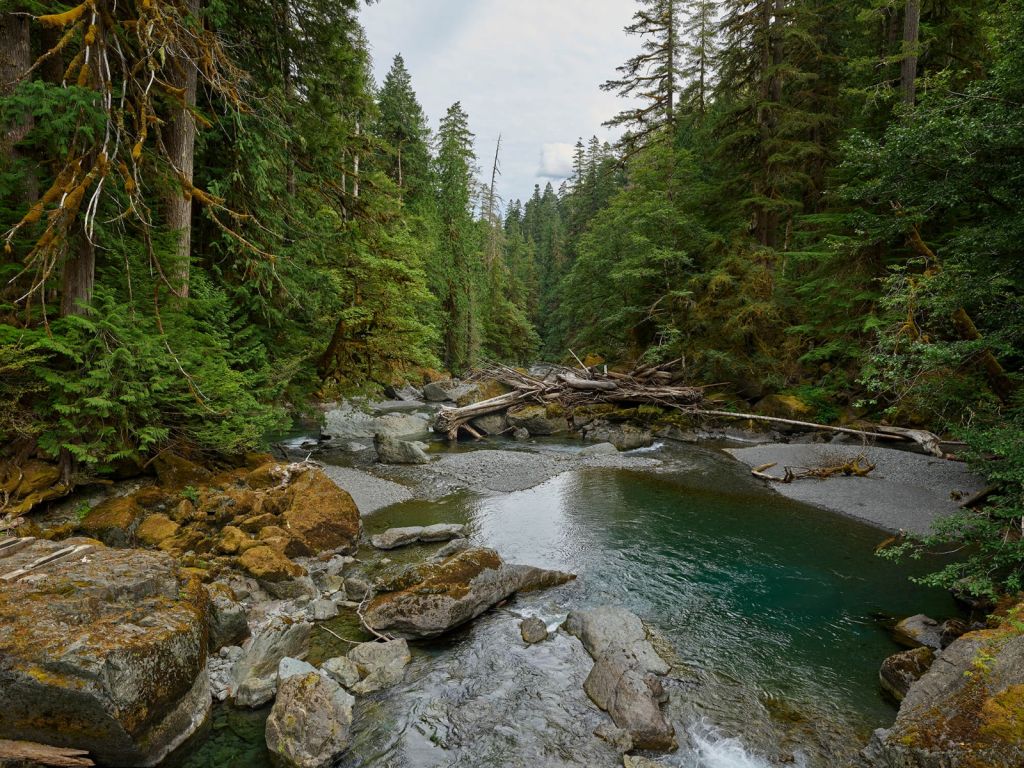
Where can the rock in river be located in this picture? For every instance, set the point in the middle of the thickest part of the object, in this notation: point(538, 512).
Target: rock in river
point(393, 538)
point(309, 726)
point(625, 681)
point(104, 652)
point(432, 598)
point(255, 674)
point(533, 630)
point(903, 669)
point(393, 451)
point(917, 631)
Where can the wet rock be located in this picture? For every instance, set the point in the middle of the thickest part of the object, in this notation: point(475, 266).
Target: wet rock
point(400, 425)
point(539, 420)
point(379, 664)
point(114, 521)
point(105, 652)
point(601, 449)
point(917, 631)
point(401, 537)
point(533, 630)
point(625, 680)
point(342, 670)
point(492, 424)
point(392, 451)
point(346, 422)
point(356, 588)
point(967, 709)
point(520, 434)
point(634, 761)
point(901, 670)
point(322, 610)
point(620, 739)
point(255, 674)
point(309, 726)
point(320, 514)
point(625, 436)
point(452, 548)
point(155, 529)
point(229, 625)
point(434, 597)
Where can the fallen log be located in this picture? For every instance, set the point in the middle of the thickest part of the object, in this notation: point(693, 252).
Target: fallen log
point(587, 385)
point(30, 753)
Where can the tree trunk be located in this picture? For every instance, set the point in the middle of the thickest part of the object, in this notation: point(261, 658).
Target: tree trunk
point(79, 276)
point(180, 142)
point(15, 61)
point(908, 68)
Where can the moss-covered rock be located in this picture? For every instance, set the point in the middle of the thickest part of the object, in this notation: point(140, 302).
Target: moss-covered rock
point(538, 421)
point(156, 529)
point(266, 564)
point(784, 407)
point(320, 514)
point(114, 521)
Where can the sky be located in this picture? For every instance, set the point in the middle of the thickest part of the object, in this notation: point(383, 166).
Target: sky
point(529, 70)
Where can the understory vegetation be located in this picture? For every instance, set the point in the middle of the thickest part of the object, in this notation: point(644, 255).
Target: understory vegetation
point(212, 215)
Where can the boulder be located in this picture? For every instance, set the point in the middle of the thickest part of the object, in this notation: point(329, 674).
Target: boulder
point(289, 667)
point(268, 566)
point(432, 598)
point(626, 679)
point(539, 420)
point(113, 521)
point(393, 538)
point(323, 609)
point(601, 449)
point(399, 425)
point(155, 529)
point(520, 434)
point(229, 625)
point(393, 451)
point(919, 631)
point(343, 670)
point(310, 724)
point(966, 710)
point(320, 514)
point(438, 391)
point(533, 630)
point(624, 436)
point(356, 588)
point(105, 652)
point(901, 670)
point(254, 675)
point(492, 424)
point(379, 664)
point(346, 423)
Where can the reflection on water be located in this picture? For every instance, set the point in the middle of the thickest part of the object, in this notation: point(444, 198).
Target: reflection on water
point(773, 612)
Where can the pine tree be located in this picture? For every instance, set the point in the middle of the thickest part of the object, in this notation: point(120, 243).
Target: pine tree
point(700, 49)
point(403, 126)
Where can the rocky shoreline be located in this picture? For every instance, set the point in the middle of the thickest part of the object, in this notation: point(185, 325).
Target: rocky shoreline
point(208, 586)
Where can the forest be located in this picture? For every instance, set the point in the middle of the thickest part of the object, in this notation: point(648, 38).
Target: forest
point(213, 217)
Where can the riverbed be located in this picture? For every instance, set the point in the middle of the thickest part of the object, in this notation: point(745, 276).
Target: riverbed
point(774, 613)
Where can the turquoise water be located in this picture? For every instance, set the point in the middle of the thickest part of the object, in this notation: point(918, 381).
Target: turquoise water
point(777, 614)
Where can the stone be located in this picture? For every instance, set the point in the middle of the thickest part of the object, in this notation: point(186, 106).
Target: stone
point(343, 670)
point(478, 391)
point(966, 710)
point(539, 420)
point(917, 631)
point(347, 423)
point(400, 425)
point(520, 434)
point(356, 588)
point(625, 680)
point(601, 449)
point(254, 675)
point(438, 391)
point(232, 540)
point(619, 739)
point(434, 597)
point(533, 630)
point(229, 624)
point(635, 761)
point(267, 565)
point(393, 451)
point(321, 515)
point(155, 529)
point(491, 424)
point(310, 723)
point(105, 653)
point(401, 537)
point(379, 664)
point(289, 667)
point(176, 472)
point(901, 670)
point(113, 521)
point(452, 548)
point(624, 436)
point(322, 610)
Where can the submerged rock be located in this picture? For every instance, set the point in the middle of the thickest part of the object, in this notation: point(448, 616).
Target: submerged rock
point(533, 630)
point(434, 597)
point(379, 664)
point(625, 681)
point(967, 709)
point(393, 451)
point(310, 724)
point(402, 537)
point(105, 652)
point(903, 669)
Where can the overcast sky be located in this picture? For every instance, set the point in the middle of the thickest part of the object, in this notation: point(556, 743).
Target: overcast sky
point(527, 69)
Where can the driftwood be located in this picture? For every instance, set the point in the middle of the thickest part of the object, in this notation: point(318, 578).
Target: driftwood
point(30, 753)
point(858, 466)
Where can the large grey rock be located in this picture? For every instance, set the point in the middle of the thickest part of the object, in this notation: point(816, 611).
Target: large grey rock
point(310, 724)
point(917, 631)
point(255, 674)
point(323, 609)
point(343, 670)
point(432, 598)
point(393, 451)
point(967, 709)
point(106, 652)
point(289, 667)
point(380, 664)
point(346, 422)
point(538, 421)
point(625, 437)
point(229, 624)
point(492, 424)
point(401, 537)
point(903, 669)
point(356, 588)
point(400, 425)
point(625, 681)
point(438, 391)
point(601, 449)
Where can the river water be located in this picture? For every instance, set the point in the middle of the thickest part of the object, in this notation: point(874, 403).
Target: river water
point(774, 614)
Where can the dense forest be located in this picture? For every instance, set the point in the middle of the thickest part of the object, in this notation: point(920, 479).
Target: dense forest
point(213, 216)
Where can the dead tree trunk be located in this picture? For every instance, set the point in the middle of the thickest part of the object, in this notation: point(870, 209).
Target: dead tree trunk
point(180, 142)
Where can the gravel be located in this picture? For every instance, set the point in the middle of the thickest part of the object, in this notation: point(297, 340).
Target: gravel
point(369, 492)
point(906, 491)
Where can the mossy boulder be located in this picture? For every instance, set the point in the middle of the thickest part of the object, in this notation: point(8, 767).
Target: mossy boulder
point(105, 653)
point(266, 564)
point(156, 529)
point(538, 420)
point(30, 483)
point(320, 514)
point(177, 472)
point(901, 670)
point(114, 521)
point(784, 407)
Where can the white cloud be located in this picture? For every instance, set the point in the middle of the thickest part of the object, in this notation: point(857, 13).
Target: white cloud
point(555, 161)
